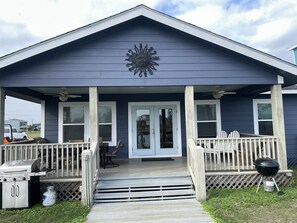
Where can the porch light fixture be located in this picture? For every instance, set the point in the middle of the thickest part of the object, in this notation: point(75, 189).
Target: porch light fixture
point(142, 60)
point(63, 98)
point(217, 94)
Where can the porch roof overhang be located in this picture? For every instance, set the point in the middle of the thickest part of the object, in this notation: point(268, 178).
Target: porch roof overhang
point(283, 68)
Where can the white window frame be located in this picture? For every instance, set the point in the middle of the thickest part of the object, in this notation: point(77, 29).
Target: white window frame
point(218, 113)
point(87, 121)
point(113, 106)
point(255, 113)
point(86, 118)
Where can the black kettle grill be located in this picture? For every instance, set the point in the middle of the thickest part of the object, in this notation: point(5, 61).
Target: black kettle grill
point(267, 167)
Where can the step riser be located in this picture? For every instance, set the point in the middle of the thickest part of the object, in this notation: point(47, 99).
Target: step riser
point(144, 189)
point(134, 189)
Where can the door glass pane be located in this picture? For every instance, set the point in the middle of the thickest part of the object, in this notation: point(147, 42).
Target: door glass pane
point(265, 128)
point(166, 133)
point(207, 129)
point(206, 112)
point(73, 114)
point(143, 128)
point(73, 132)
point(105, 132)
point(264, 111)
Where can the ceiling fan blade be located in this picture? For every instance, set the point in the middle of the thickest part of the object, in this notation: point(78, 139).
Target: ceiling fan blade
point(229, 92)
point(74, 96)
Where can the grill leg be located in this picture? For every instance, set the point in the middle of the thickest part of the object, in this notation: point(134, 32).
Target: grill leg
point(275, 184)
point(259, 184)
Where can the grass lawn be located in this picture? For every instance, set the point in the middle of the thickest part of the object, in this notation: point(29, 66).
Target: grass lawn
point(244, 205)
point(33, 134)
point(63, 211)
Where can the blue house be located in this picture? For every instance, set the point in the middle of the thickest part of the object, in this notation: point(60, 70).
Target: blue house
point(166, 88)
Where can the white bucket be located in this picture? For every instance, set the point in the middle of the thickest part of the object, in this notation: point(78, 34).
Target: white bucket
point(49, 197)
point(268, 185)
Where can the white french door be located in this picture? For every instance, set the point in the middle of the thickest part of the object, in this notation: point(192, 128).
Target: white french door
point(154, 130)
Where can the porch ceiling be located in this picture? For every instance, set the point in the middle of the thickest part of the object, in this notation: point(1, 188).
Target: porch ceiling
point(136, 90)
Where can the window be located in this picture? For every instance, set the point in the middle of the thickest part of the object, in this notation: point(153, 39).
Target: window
point(262, 117)
point(73, 123)
point(208, 118)
point(107, 122)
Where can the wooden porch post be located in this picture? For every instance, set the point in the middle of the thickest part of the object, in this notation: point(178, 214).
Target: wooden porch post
point(278, 124)
point(2, 112)
point(189, 116)
point(93, 114)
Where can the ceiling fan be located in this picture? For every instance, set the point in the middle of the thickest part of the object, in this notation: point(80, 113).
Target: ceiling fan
point(217, 93)
point(64, 95)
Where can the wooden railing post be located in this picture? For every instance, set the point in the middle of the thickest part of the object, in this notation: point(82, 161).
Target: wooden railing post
point(87, 178)
point(278, 124)
point(189, 116)
point(197, 169)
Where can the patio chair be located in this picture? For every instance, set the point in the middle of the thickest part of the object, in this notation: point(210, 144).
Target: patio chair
point(108, 156)
point(231, 144)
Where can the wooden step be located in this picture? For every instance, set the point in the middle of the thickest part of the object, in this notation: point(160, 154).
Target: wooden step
point(144, 189)
point(144, 195)
point(143, 182)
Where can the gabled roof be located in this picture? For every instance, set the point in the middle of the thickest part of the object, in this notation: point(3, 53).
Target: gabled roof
point(154, 15)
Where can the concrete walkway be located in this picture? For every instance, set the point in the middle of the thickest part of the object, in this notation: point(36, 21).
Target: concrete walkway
point(170, 211)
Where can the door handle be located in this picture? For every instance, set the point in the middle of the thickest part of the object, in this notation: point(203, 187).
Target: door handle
point(12, 191)
point(17, 191)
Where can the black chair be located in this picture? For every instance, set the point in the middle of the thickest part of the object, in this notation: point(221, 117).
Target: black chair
point(106, 156)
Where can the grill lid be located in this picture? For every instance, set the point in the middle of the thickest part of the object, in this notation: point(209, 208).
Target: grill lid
point(20, 166)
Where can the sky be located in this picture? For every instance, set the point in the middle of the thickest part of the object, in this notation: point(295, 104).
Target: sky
point(266, 25)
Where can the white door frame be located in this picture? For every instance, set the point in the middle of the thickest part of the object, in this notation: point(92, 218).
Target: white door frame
point(130, 124)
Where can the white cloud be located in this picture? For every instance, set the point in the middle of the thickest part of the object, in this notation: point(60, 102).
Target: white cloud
point(263, 26)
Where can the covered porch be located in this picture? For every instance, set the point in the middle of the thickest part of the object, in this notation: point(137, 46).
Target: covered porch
point(203, 158)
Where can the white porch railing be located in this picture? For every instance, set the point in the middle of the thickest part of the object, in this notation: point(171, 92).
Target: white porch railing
point(236, 154)
point(63, 158)
point(197, 169)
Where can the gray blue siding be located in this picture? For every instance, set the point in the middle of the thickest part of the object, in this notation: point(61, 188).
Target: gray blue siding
point(236, 114)
point(290, 113)
point(99, 60)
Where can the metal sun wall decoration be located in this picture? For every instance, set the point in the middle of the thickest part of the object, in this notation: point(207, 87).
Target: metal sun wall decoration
point(142, 60)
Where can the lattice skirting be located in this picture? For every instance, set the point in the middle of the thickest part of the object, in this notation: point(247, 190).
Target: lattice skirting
point(66, 191)
point(292, 161)
point(246, 180)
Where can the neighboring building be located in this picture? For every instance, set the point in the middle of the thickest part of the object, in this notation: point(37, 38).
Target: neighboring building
point(17, 123)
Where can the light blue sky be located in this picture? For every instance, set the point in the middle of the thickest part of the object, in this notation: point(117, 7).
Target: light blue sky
point(267, 25)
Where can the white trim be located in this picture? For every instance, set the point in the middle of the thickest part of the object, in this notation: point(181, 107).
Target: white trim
point(159, 17)
point(280, 79)
point(42, 123)
point(255, 112)
point(293, 47)
point(289, 91)
point(86, 119)
point(218, 113)
point(113, 106)
point(178, 120)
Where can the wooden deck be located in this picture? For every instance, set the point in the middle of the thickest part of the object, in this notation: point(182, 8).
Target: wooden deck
point(130, 168)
